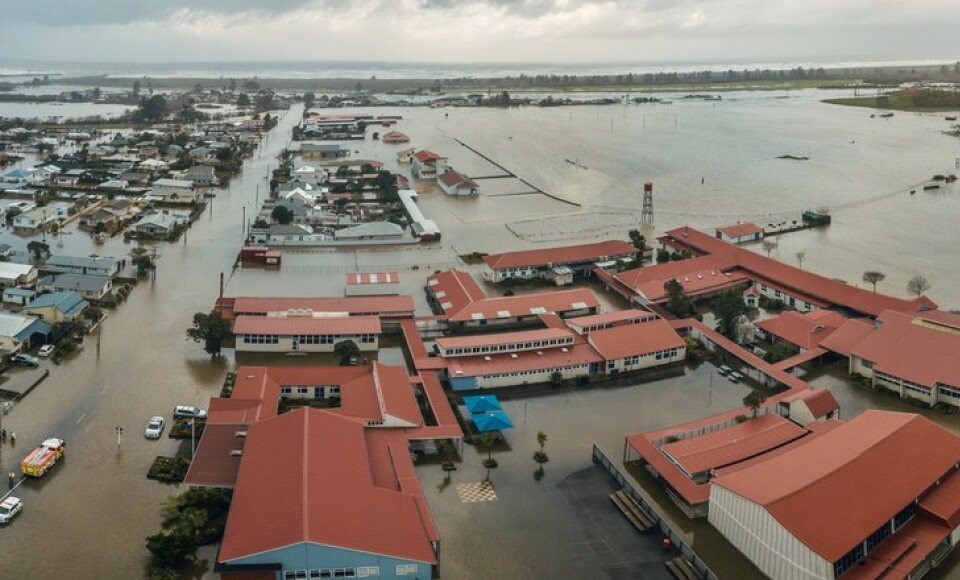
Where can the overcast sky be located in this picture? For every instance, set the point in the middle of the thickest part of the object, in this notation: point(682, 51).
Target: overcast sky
point(478, 30)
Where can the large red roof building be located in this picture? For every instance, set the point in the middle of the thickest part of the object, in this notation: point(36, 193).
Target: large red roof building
point(868, 499)
point(330, 492)
point(541, 263)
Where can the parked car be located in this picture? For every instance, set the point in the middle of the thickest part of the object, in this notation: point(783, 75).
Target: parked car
point(9, 508)
point(46, 350)
point(735, 376)
point(154, 428)
point(724, 370)
point(25, 360)
point(187, 412)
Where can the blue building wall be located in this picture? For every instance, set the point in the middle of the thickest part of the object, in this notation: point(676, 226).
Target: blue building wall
point(307, 556)
point(463, 383)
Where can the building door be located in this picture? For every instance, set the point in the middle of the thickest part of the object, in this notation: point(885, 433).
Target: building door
point(295, 343)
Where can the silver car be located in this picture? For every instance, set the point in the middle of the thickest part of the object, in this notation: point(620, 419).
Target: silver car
point(154, 428)
point(9, 508)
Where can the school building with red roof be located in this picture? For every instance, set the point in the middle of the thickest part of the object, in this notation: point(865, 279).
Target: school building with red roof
point(324, 492)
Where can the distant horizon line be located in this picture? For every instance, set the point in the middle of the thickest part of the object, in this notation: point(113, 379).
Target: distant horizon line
point(861, 59)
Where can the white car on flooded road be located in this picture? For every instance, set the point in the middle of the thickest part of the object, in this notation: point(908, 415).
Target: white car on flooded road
point(154, 428)
point(9, 508)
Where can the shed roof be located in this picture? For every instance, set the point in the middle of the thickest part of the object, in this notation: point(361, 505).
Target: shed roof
point(733, 444)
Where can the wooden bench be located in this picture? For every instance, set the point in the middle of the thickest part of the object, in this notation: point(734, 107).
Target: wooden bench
point(637, 515)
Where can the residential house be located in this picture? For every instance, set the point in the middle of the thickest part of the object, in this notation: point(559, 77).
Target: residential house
point(309, 174)
point(90, 287)
point(37, 219)
point(18, 296)
point(158, 224)
point(89, 266)
point(323, 151)
point(370, 231)
point(395, 137)
point(57, 306)
point(455, 183)
point(21, 332)
point(427, 164)
point(405, 156)
point(201, 175)
point(175, 191)
point(12, 274)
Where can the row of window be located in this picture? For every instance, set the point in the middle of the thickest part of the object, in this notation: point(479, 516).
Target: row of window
point(538, 372)
point(301, 390)
point(633, 360)
point(779, 294)
point(949, 391)
point(359, 572)
point(553, 342)
point(308, 338)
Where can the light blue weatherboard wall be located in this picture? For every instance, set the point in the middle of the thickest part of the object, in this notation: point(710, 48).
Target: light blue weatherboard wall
point(463, 383)
point(309, 556)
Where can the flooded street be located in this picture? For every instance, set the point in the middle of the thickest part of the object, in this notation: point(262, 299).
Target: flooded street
point(93, 512)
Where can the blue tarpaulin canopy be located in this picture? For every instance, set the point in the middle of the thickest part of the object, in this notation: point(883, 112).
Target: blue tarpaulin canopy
point(482, 403)
point(492, 421)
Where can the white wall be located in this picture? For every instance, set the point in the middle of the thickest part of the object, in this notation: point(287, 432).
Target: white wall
point(533, 377)
point(762, 539)
point(646, 362)
point(285, 344)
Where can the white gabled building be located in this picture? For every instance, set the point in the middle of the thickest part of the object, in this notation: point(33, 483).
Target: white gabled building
point(876, 497)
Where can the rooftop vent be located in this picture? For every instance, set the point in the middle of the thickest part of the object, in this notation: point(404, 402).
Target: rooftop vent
point(236, 452)
point(240, 434)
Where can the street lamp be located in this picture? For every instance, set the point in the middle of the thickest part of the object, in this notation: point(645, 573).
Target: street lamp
point(119, 431)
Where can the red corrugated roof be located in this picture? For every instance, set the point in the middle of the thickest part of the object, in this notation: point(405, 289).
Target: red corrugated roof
point(301, 325)
point(594, 252)
point(694, 283)
point(453, 178)
point(850, 334)
point(213, 464)
point(353, 305)
point(613, 318)
point(805, 330)
point(916, 346)
point(395, 137)
point(733, 444)
point(839, 488)
point(800, 281)
point(635, 339)
point(395, 393)
point(943, 502)
point(741, 230)
point(425, 156)
point(821, 402)
point(558, 301)
point(306, 477)
point(454, 290)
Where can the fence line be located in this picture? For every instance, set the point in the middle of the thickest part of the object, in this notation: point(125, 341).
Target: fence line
point(698, 564)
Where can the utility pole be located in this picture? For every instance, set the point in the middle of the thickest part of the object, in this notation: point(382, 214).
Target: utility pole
point(119, 431)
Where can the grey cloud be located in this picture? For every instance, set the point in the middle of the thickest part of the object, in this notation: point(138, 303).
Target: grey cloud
point(85, 12)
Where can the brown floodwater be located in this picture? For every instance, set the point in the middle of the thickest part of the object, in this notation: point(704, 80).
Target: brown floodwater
point(91, 514)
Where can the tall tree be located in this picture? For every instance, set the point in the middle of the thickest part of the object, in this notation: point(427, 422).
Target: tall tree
point(918, 285)
point(639, 242)
point(211, 330)
point(281, 215)
point(678, 303)
point(346, 350)
point(873, 277)
point(728, 308)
